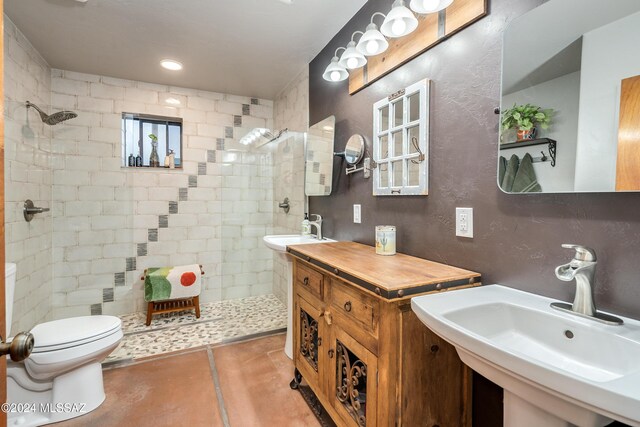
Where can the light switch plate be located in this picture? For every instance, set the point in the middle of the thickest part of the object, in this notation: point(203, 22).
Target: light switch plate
point(464, 222)
point(357, 214)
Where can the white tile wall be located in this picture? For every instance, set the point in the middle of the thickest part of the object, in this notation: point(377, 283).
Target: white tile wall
point(27, 176)
point(291, 110)
point(107, 211)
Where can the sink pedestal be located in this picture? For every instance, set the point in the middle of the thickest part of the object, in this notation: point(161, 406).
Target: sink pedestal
point(520, 413)
point(288, 344)
point(526, 411)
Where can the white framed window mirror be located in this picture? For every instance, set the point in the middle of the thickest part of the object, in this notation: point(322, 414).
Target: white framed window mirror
point(401, 142)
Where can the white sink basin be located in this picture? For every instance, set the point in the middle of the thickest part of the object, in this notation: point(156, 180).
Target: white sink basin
point(279, 244)
point(556, 368)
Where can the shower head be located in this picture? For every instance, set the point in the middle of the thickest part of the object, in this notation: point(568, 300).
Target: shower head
point(54, 118)
point(261, 136)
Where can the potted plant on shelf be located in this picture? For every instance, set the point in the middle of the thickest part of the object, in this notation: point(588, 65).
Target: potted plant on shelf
point(525, 119)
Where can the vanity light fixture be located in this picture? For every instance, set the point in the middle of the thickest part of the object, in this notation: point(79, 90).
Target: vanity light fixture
point(372, 41)
point(429, 6)
point(171, 64)
point(399, 22)
point(334, 71)
point(352, 58)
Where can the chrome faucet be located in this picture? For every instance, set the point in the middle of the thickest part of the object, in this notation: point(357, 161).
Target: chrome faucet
point(582, 269)
point(317, 223)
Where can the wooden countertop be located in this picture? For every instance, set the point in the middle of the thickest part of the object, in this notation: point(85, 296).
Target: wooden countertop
point(390, 276)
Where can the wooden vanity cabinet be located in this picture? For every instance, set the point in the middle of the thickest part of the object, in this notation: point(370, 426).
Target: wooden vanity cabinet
point(367, 358)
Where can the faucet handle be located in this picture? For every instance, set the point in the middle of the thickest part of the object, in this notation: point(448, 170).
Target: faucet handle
point(583, 253)
point(318, 217)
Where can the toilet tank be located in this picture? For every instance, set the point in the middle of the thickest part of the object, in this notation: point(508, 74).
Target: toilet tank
point(9, 289)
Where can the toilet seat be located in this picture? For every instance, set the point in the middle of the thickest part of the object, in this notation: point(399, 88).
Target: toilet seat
point(73, 332)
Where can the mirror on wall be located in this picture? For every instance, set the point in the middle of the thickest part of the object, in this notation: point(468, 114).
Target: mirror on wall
point(318, 172)
point(570, 107)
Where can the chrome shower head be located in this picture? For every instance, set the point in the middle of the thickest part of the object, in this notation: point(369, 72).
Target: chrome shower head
point(54, 118)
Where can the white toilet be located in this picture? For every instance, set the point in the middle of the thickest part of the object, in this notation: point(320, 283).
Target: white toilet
point(62, 378)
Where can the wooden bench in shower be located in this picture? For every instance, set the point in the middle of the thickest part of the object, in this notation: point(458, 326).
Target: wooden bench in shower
point(170, 306)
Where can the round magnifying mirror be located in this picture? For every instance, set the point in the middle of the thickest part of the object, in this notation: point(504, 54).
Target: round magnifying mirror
point(354, 151)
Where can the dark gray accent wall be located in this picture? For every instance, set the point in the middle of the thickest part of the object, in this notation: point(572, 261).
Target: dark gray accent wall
point(517, 237)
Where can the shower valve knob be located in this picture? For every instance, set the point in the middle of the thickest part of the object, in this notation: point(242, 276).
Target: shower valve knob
point(19, 348)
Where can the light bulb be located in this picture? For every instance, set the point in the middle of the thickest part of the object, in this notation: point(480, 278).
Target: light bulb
point(335, 76)
point(372, 46)
point(352, 63)
point(398, 27)
point(431, 5)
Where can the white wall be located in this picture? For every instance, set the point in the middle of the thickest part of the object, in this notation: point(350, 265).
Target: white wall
point(561, 94)
point(291, 110)
point(610, 54)
point(27, 176)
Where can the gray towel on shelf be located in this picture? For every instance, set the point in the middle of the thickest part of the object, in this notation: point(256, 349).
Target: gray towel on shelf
point(525, 180)
point(510, 173)
point(502, 168)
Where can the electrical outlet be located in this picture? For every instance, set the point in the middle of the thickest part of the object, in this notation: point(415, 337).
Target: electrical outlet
point(357, 214)
point(464, 222)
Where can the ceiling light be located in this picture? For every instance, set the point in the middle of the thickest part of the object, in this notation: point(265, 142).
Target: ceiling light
point(429, 6)
point(170, 64)
point(334, 71)
point(372, 41)
point(351, 58)
point(399, 22)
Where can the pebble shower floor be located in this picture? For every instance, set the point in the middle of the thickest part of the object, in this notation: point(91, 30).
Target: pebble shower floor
point(219, 322)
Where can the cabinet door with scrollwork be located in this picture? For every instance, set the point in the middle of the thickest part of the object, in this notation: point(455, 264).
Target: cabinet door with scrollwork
point(353, 378)
point(308, 343)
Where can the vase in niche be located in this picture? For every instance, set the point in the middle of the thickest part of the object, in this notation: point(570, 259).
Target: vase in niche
point(154, 159)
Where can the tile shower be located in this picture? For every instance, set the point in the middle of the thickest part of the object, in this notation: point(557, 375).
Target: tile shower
point(108, 223)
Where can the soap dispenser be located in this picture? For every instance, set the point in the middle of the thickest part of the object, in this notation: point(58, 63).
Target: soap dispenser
point(306, 227)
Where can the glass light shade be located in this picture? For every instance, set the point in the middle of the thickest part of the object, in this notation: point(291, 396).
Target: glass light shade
point(351, 58)
point(335, 72)
point(372, 42)
point(399, 22)
point(429, 6)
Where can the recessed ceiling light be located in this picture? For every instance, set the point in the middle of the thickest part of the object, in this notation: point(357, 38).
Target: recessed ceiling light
point(172, 101)
point(170, 64)
point(286, 1)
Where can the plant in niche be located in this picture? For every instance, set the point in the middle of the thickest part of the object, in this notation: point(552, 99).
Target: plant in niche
point(525, 118)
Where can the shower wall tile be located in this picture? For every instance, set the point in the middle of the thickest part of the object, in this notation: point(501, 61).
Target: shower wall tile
point(28, 175)
point(114, 222)
point(291, 111)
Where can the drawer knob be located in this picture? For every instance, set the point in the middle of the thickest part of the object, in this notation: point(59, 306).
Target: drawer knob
point(305, 281)
point(331, 353)
point(434, 348)
point(319, 341)
point(347, 306)
point(336, 271)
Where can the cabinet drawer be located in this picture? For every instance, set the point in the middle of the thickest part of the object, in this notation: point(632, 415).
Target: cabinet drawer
point(355, 305)
point(310, 280)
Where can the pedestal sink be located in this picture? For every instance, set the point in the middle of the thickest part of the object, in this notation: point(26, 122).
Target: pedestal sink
point(279, 244)
point(557, 369)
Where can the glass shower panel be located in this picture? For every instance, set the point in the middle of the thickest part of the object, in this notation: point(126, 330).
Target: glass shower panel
point(247, 215)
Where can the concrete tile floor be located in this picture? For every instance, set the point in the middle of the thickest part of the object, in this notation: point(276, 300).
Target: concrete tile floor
point(244, 384)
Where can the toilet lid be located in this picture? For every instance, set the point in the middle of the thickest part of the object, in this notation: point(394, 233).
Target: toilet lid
point(74, 331)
